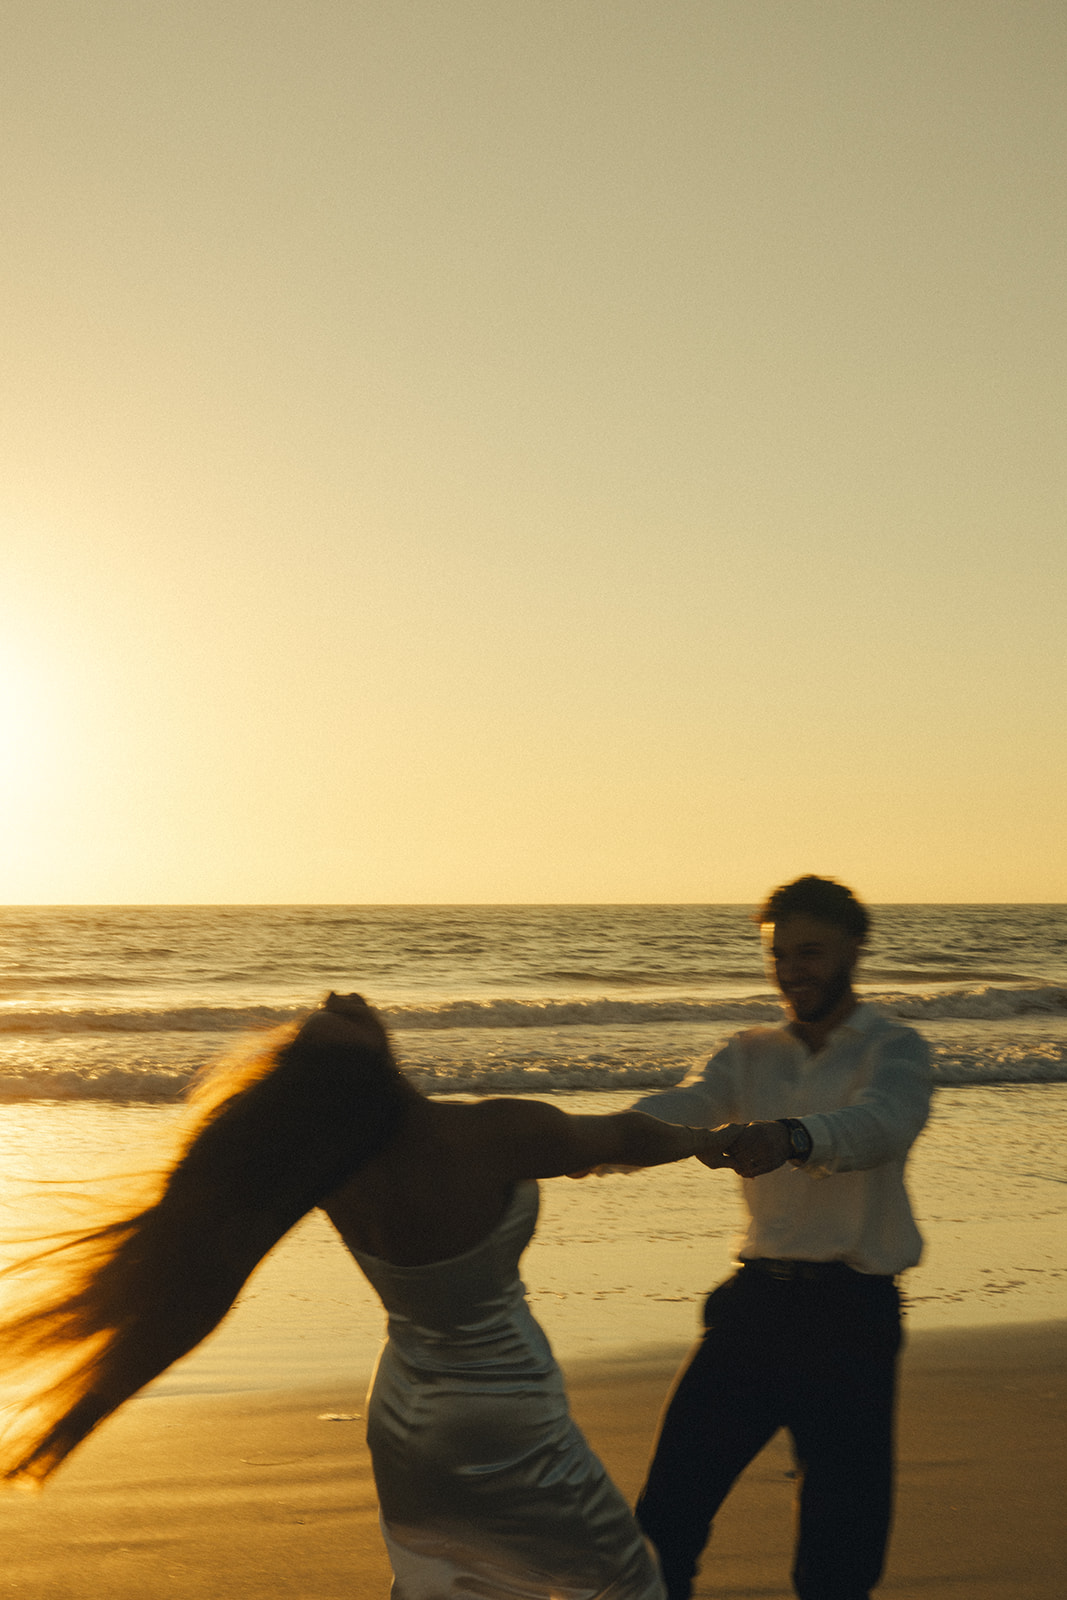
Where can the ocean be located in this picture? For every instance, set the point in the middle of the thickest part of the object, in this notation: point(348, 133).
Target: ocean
point(106, 1014)
point(125, 1003)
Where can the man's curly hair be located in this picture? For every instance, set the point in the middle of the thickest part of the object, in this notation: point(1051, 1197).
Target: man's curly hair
point(823, 899)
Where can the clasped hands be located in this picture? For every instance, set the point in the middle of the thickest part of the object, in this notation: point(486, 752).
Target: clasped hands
point(757, 1148)
point(749, 1148)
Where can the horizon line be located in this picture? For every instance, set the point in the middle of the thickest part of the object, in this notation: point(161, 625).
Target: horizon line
point(278, 905)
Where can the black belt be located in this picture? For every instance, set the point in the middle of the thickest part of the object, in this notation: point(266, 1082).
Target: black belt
point(788, 1271)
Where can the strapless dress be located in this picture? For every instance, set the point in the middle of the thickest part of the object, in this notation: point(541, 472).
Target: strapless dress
point(487, 1489)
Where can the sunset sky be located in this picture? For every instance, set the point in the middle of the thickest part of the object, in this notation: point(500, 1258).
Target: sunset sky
point(532, 450)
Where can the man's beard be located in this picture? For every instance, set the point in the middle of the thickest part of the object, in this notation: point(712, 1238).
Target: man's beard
point(834, 989)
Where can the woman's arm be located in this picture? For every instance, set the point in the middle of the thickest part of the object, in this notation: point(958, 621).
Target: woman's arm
point(529, 1139)
point(534, 1140)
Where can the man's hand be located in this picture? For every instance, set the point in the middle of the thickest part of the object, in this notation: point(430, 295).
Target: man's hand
point(760, 1147)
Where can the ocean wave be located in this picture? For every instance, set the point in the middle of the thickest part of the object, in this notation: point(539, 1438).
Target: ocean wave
point(553, 1070)
point(165, 1019)
point(455, 1077)
point(980, 1003)
point(117, 1084)
point(1034, 1062)
point(976, 1002)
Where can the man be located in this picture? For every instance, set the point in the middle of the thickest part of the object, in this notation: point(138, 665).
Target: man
point(805, 1335)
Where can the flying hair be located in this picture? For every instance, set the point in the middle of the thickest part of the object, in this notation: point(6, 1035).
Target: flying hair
point(102, 1310)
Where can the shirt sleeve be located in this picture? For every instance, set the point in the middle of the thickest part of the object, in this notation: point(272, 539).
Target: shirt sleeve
point(886, 1116)
point(705, 1100)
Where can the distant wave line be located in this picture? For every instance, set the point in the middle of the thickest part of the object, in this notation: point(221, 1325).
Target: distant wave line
point(983, 1003)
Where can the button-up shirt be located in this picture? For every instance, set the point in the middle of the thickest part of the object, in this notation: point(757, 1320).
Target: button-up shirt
point(863, 1098)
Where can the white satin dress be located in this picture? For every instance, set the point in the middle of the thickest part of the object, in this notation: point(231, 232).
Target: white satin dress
point(487, 1489)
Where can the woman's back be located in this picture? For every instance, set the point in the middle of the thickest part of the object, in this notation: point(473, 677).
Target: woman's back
point(484, 1482)
point(467, 1310)
point(436, 1190)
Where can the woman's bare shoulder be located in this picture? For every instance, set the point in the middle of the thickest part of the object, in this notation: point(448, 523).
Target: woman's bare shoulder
point(506, 1114)
point(498, 1112)
point(507, 1135)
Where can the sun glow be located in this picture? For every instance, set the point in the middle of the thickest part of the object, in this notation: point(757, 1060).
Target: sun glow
point(21, 732)
point(35, 741)
point(27, 723)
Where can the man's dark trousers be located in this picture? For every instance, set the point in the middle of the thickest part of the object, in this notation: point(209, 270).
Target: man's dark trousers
point(810, 1347)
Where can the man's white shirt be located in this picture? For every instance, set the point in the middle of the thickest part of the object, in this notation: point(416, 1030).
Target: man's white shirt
point(863, 1097)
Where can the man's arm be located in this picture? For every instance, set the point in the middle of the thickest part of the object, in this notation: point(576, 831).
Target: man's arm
point(880, 1125)
point(886, 1117)
point(705, 1100)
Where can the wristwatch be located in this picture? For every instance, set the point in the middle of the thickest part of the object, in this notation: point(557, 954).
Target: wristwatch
point(800, 1141)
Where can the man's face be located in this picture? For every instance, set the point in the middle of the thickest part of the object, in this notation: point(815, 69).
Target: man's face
point(812, 964)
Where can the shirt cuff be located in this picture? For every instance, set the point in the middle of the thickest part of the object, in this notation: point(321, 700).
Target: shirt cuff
point(821, 1160)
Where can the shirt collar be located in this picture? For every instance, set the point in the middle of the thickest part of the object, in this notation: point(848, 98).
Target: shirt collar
point(861, 1021)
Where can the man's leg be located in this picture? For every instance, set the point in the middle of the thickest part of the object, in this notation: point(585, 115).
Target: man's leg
point(842, 1425)
point(725, 1406)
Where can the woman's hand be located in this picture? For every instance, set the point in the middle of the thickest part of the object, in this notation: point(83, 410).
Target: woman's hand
point(709, 1145)
point(719, 1141)
point(603, 1172)
point(761, 1147)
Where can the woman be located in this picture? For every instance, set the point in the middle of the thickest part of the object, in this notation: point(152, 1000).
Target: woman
point(486, 1486)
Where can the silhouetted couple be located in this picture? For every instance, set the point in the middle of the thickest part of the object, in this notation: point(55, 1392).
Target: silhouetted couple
point(486, 1486)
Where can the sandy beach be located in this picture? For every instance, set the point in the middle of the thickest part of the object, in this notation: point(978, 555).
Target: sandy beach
point(258, 1496)
point(227, 1480)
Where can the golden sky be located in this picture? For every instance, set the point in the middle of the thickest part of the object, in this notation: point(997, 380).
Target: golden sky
point(495, 451)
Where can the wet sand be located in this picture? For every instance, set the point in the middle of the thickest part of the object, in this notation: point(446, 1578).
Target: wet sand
point(256, 1497)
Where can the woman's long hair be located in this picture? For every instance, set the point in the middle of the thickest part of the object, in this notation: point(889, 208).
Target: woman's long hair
point(106, 1309)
